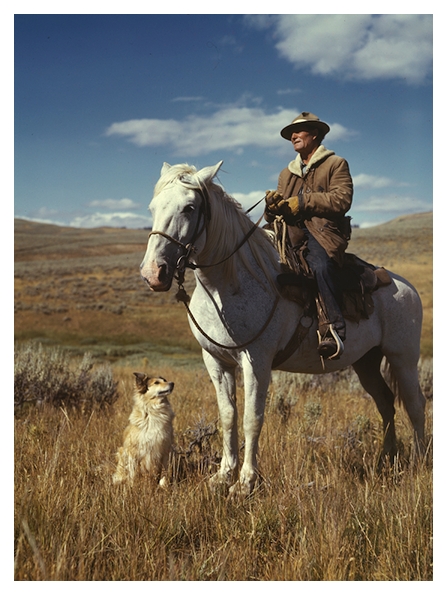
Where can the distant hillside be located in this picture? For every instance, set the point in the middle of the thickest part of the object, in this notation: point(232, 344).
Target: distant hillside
point(41, 241)
point(82, 286)
point(35, 241)
point(402, 239)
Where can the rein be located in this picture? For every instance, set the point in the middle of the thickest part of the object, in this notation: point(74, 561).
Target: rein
point(211, 340)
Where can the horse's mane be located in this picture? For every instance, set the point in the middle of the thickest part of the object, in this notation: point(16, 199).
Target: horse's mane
point(227, 226)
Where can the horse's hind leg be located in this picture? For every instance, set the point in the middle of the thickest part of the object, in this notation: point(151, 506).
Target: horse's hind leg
point(406, 376)
point(368, 371)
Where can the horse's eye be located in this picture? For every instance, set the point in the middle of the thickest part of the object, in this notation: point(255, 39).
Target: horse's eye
point(188, 209)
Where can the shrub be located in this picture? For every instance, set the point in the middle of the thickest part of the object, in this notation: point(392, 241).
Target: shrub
point(49, 376)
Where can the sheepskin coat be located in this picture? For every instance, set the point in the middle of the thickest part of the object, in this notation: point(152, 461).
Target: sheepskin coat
point(324, 193)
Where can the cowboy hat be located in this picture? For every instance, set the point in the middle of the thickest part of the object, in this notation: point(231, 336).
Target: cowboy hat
point(305, 118)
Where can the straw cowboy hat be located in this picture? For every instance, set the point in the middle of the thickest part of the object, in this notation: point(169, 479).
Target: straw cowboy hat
point(304, 118)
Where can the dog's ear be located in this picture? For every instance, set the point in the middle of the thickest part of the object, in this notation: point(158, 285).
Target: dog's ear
point(140, 380)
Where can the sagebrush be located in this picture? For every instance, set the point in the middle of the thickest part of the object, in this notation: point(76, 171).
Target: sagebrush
point(49, 376)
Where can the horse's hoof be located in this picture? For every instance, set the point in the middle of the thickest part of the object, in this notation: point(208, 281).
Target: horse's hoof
point(240, 491)
point(219, 484)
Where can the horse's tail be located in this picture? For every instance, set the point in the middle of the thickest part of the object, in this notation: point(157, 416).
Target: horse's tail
point(391, 380)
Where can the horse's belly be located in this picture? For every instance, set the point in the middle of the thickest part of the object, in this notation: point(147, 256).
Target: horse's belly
point(360, 338)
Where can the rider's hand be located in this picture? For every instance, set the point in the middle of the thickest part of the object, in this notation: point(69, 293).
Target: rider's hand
point(273, 201)
point(272, 198)
point(290, 206)
point(286, 207)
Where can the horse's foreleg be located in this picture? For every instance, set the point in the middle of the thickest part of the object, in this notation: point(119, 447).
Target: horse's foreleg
point(224, 382)
point(255, 389)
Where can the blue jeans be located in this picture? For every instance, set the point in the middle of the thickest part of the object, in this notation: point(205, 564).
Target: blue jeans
point(324, 270)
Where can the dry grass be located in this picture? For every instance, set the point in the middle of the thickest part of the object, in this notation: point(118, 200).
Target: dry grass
point(322, 512)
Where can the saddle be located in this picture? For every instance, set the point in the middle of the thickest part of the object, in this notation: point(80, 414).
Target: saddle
point(357, 280)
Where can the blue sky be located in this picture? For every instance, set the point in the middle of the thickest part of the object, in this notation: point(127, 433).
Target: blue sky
point(101, 101)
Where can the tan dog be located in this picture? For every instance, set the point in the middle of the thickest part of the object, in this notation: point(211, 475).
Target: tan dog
point(149, 436)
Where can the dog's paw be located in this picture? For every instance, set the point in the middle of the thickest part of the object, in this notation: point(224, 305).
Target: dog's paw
point(164, 482)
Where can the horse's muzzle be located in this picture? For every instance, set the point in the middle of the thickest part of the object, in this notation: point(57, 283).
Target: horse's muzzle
point(157, 277)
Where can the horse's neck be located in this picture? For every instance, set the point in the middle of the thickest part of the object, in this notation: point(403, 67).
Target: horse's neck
point(239, 276)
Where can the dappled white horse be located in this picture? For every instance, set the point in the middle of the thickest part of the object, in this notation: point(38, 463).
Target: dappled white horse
point(239, 318)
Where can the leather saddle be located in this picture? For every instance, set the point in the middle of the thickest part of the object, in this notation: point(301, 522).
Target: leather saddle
point(357, 280)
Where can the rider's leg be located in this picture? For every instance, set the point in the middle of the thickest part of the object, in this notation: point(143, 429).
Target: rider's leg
point(330, 315)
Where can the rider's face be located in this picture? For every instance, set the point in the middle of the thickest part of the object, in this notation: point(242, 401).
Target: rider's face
point(304, 141)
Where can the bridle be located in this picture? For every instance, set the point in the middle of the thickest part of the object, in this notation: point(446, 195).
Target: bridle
point(183, 261)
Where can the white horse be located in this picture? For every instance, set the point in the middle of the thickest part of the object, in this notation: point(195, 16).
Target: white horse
point(239, 318)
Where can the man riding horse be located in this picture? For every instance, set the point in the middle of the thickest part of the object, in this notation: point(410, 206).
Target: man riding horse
point(313, 195)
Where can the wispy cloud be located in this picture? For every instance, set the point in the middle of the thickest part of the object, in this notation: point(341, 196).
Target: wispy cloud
point(392, 203)
point(37, 219)
point(368, 181)
point(114, 204)
point(356, 46)
point(249, 201)
point(130, 220)
point(289, 91)
point(230, 128)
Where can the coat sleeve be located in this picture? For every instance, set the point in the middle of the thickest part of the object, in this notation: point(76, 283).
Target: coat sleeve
point(331, 192)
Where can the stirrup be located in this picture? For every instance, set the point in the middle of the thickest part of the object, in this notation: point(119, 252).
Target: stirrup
point(331, 337)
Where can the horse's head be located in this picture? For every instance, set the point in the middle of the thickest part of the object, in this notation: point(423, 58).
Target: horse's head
point(180, 210)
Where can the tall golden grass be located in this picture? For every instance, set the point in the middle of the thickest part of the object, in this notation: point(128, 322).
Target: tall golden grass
point(322, 512)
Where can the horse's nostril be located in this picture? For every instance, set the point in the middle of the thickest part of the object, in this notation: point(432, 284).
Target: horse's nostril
point(162, 272)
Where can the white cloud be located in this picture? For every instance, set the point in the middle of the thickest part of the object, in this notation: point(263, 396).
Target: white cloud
point(288, 91)
point(392, 203)
point(111, 220)
point(229, 128)
point(49, 220)
point(249, 200)
point(366, 224)
point(357, 46)
point(368, 181)
point(44, 213)
point(114, 204)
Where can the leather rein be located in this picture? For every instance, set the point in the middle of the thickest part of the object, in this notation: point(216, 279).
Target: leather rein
point(184, 262)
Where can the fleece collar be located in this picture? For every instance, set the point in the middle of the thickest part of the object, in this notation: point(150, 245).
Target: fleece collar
point(296, 166)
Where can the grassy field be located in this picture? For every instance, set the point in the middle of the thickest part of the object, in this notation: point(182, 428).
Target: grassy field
point(322, 512)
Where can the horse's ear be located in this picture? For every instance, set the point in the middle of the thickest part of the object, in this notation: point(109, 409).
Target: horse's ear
point(165, 168)
point(208, 173)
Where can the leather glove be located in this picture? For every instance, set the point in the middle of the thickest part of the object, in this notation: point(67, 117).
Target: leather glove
point(290, 206)
point(272, 198)
point(286, 207)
